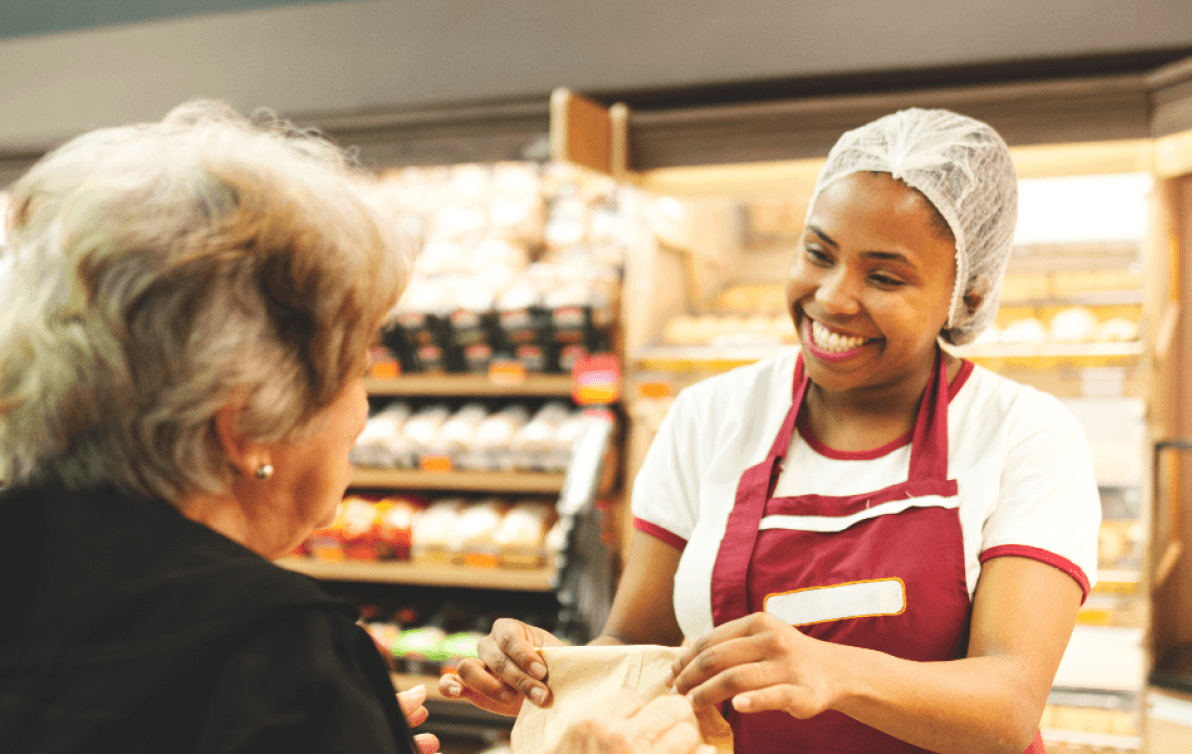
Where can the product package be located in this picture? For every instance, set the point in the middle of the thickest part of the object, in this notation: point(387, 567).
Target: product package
point(580, 677)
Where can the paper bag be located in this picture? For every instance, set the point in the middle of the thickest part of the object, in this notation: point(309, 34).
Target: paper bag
point(580, 677)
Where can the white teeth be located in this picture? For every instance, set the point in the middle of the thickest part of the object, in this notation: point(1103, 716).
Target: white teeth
point(832, 341)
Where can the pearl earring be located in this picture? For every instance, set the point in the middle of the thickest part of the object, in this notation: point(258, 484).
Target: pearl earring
point(264, 471)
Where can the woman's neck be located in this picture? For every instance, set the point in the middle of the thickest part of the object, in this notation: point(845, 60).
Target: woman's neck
point(870, 417)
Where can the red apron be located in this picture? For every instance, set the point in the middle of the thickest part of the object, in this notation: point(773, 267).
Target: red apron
point(882, 570)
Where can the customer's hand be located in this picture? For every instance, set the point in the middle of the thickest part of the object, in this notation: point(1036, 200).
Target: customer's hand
point(624, 726)
point(508, 671)
point(410, 702)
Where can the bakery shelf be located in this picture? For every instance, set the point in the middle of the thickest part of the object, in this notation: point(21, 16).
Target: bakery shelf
point(703, 358)
point(530, 482)
point(444, 385)
point(714, 359)
point(1091, 298)
point(1128, 349)
point(1092, 740)
point(422, 574)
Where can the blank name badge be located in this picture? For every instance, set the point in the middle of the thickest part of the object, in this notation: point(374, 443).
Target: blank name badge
point(820, 604)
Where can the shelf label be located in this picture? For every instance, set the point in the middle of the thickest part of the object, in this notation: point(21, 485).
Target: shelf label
point(506, 372)
point(435, 463)
point(596, 379)
point(383, 364)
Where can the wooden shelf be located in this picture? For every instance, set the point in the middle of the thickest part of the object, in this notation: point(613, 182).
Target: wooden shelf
point(530, 482)
point(445, 385)
point(712, 359)
point(421, 574)
point(1049, 350)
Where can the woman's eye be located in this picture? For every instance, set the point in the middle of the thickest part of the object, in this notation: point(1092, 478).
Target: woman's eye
point(817, 256)
point(886, 281)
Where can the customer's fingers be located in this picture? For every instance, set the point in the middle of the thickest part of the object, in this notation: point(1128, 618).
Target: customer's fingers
point(428, 743)
point(410, 701)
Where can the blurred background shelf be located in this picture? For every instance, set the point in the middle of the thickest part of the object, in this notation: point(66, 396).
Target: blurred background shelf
point(529, 482)
point(1049, 350)
point(422, 385)
point(422, 574)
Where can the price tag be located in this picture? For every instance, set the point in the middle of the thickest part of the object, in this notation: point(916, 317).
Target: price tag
point(596, 379)
point(506, 372)
point(653, 389)
point(383, 364)
point(435, 463)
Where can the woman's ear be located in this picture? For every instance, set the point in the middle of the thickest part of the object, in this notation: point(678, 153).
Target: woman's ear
point(244, 456)
point(972, 302)
point(975, 295)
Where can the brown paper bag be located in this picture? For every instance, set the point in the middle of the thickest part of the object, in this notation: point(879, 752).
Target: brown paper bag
point(580, 677)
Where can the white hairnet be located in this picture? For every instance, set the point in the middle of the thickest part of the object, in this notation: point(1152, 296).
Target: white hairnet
point(963, 168)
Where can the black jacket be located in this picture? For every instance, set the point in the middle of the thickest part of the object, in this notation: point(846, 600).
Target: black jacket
point(126, 627)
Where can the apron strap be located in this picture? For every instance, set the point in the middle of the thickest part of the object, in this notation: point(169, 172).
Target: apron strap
point(929, 442)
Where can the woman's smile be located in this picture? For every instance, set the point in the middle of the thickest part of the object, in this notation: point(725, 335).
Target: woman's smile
point(828, 344)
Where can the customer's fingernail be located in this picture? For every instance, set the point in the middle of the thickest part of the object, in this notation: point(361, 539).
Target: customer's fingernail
point(668, 678)
point(539, 696)
point(538, 670)
point(452, 689)
point(742, 703)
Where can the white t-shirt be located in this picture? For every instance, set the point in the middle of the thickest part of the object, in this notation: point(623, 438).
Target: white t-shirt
point(1021, 461)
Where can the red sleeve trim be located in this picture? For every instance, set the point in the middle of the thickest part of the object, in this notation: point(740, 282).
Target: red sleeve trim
point(657, 532)
point(1043, 556)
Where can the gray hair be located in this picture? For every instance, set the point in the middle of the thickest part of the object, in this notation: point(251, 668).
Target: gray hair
point(163, 271)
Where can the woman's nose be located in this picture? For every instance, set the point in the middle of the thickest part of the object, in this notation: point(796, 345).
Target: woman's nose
point(836, 294)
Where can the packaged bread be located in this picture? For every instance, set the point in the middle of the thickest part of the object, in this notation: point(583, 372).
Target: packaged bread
point(473, 543)
point(1027, 330)
point(489, 449)
point(360, 528)
point(521, 535)
point(422, 428)
point(1075, 324)
point(455, 434)
point(397, 520)
point(534, 443)
point(432, 531)
point(1118, 330)
point(383, 444)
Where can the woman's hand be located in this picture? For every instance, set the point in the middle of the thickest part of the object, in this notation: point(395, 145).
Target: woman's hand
point(508, 671)
point(410, 701)
point(761, 664)
point(624, 726)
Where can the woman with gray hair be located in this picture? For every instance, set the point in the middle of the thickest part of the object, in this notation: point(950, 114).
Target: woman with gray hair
point(182, 347)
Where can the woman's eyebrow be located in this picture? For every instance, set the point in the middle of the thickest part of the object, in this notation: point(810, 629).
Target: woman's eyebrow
point(823, 236)
point(888, 256)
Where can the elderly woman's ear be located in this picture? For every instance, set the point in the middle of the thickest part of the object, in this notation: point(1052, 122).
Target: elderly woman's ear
point(247, 458)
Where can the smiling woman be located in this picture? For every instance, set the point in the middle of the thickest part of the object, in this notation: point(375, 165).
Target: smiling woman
point(874, 545)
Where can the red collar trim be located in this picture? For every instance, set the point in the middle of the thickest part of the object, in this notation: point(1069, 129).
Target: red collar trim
point(966, 371)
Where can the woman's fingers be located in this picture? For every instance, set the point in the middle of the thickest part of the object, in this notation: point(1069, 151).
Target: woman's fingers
point(792, 699)
point(427, 743)
point(510, 655)
point(736, 629)
point(477, 685)
point(410, 701)
point(716, 660)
